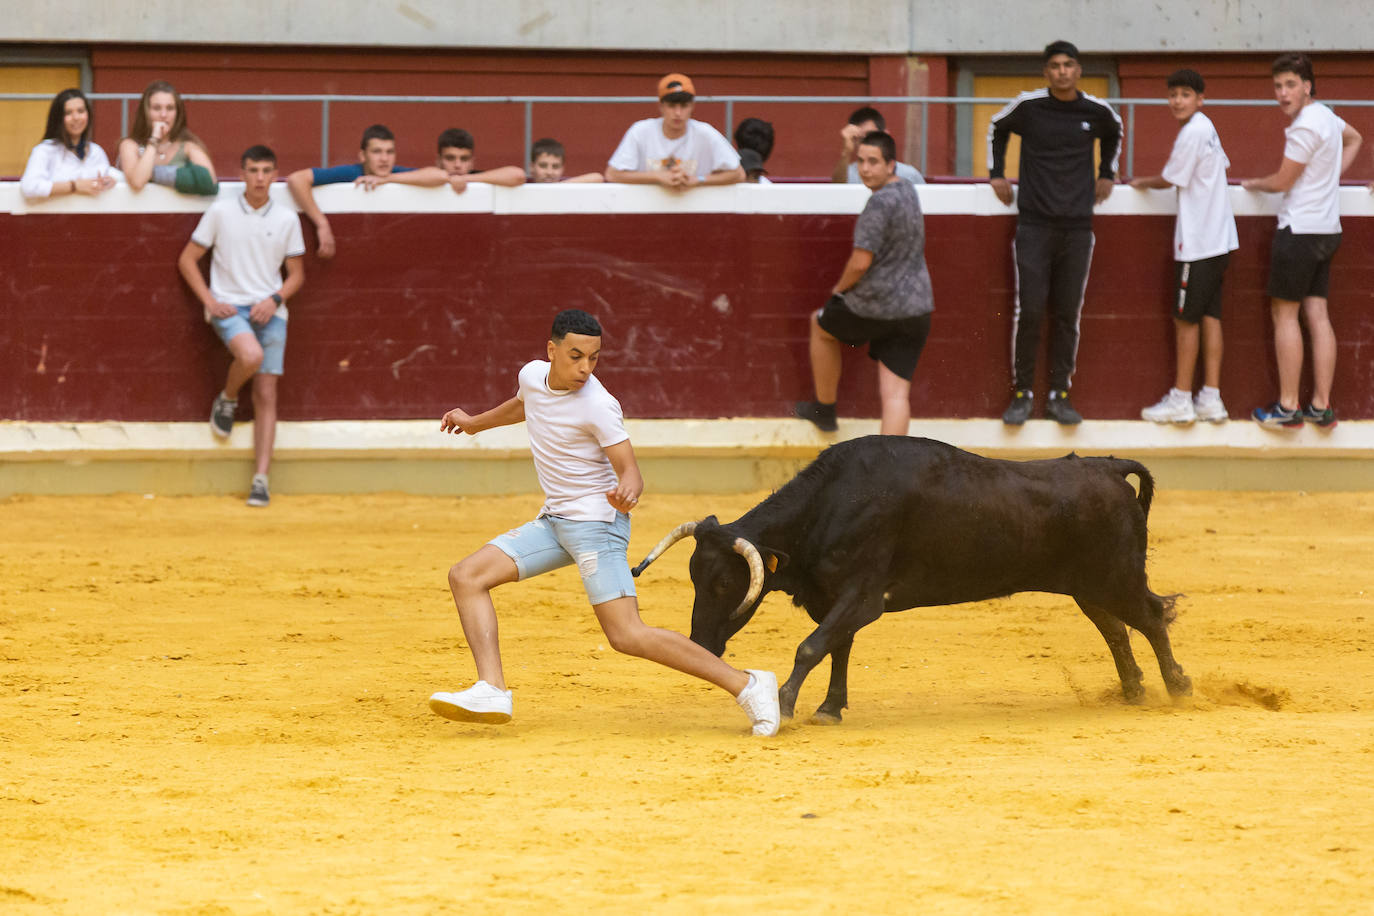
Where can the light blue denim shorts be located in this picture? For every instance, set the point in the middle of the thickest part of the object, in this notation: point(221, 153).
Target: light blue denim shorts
point(271, 337)
point(598, 549)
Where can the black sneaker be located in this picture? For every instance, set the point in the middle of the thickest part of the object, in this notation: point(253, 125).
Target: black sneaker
point(1019, 410)
point(1275, 417)
point(1323, 418)
point(222, 416)
point(823, 415)
point(1061, 411)
point(258, 495)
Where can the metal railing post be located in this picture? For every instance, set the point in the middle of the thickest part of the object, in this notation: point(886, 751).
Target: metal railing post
point(324, 133)
point(529, 130)
point(123, 118)
point(729, 119)
point(1130, 139)
point(925, 137)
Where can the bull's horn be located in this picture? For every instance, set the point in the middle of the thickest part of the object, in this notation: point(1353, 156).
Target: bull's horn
point(686, 529)
point(751, 556)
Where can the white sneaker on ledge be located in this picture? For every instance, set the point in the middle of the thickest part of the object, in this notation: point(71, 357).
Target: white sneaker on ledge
point(1210, 409)
point(759, 699)
point(1174, 407)
point(479, 703)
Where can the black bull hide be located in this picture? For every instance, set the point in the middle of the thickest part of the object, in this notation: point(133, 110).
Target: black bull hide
point(888, 523)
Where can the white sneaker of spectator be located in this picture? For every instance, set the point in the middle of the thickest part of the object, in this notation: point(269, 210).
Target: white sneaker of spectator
point(1207, 406)
point(1174, 407)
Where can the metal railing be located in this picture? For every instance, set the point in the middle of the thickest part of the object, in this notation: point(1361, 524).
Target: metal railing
point(1126, 106)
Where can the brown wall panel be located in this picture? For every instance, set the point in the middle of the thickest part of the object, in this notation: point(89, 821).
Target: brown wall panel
point(706, 315)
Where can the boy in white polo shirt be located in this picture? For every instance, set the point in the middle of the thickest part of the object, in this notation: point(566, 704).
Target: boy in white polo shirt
point(587, 469)
point(1318, 147)
point(252, 237)
point(1204, 237)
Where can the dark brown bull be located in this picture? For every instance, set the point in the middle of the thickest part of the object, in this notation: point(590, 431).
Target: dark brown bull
point(887, 523)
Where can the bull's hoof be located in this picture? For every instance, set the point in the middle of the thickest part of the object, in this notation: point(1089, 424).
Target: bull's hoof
point(1182, 686)
point(787, 704)
point(1133, 693)
point(824, 716)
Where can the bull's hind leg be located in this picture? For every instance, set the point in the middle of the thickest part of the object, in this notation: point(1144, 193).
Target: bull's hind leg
point(837, 697)
point(1119, 641)
point(1155, 626)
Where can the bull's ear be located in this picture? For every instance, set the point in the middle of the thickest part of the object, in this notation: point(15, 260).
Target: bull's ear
point(773, 560)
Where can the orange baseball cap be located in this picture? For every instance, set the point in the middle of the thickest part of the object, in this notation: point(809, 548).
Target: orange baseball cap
point(674, 83)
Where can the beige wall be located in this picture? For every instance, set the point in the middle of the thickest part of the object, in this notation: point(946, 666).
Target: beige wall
point(862, 26)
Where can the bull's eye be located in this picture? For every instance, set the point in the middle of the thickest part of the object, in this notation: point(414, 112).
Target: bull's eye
point(719, 587)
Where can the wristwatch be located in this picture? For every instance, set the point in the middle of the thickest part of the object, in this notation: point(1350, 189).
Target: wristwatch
point(276, 297)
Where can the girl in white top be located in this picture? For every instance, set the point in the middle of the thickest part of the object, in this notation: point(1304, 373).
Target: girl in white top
point(67, 161)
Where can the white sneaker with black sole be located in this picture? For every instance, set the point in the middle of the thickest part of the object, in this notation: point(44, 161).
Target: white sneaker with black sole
point(759, 699)
point(479, 703)
point(258, 494)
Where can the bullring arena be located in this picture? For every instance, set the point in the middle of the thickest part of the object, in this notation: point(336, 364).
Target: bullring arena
point(207, 709)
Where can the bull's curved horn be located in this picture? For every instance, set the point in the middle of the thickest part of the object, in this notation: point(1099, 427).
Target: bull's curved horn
point(751, 556)
point(686, 529)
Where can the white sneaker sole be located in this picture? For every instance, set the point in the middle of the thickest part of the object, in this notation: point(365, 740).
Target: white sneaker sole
point(452, 711)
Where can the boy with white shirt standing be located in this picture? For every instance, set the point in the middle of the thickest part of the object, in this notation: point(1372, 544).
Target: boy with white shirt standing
point(1318, 147)
point(675, 150)
point(253, 238)
point(591, 481)
point(1204, 237)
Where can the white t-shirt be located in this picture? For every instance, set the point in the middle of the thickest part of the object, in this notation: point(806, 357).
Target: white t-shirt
point(52, 162)
point(700, 150)
point(1205, 227)
point(1313, 205)
point(248, 248)
point(568, 431)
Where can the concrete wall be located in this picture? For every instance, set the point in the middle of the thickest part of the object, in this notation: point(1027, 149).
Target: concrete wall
point(866, 26)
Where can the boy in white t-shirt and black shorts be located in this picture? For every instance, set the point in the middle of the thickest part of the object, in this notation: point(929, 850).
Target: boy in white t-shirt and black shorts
point(1204, 237)
point(591, 481)
point(1318, 147)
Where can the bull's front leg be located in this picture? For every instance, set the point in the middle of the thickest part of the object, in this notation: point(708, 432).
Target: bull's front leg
point(834, 637)
point(837, 697)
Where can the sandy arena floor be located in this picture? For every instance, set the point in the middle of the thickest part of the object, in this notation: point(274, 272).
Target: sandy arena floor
point(207, 709)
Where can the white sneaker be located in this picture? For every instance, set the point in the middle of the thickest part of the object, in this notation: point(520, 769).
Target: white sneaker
point(479, 703)
point(1174, 407)
point(1210, 409)
point(759, 699)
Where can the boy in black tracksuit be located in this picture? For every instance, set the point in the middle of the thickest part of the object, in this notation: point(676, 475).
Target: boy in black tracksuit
point(1054, 238)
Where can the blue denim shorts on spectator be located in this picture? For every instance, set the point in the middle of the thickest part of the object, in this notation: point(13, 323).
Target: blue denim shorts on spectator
point(598, 549)
point(271, 337)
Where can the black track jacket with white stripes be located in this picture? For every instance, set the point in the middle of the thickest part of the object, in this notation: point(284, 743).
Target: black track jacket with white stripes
point(1057, 181)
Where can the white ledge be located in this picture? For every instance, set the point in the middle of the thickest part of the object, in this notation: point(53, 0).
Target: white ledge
point(763, 437)
point(936, 199)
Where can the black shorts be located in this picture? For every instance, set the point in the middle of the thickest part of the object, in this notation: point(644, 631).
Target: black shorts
point(1300, 265)
point(894, 342)
point(1197, 288)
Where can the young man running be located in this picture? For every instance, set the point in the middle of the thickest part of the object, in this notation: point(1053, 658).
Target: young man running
point(591, 481)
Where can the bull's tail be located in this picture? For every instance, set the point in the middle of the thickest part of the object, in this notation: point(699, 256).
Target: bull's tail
point(1125, 467)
